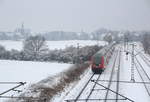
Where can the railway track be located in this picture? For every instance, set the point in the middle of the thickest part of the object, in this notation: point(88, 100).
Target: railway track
point(143, 75)
point(145, 59)
point(111, 78)
point(112, 89)
point(77, 98)
point(106, 86)
point(87, 99)
point(100, 91)
point(114, 81)
point(118, 76)
point(80, 95)
point(93, 87)
point(142, 72)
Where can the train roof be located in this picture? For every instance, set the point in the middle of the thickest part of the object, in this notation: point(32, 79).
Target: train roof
point(102, 51)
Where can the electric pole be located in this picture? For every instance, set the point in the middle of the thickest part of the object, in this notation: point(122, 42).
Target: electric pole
point(132, 63)
point(78, 59)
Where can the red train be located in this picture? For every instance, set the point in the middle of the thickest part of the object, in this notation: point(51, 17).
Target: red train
point(101, 58)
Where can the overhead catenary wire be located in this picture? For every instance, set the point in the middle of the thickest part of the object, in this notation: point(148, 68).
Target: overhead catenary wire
point(12, 82)
point(12, 88)
point(113, 92)
point(129, 82)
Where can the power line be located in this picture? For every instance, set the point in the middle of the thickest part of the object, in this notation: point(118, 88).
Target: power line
point(11, 89)
point(12, 82)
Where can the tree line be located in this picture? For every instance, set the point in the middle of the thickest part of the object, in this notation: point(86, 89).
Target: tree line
point(98, 34)
point(35, 49)
point(146, 42)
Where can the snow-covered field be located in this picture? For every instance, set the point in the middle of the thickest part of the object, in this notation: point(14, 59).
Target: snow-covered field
point(51, 44)
point(32, 72)
point(27, 71)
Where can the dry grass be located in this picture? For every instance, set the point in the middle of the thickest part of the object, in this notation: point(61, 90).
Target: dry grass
point(71, 75)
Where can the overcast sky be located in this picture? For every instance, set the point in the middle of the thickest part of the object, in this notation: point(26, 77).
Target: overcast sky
point(75, 15)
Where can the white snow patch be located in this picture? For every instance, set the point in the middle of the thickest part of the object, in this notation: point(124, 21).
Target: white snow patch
point(27, 71)
point(18, 45)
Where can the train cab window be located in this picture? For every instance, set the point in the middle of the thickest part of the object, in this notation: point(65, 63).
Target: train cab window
point(97, 60)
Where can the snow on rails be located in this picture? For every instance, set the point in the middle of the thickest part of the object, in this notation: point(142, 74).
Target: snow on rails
point(115, 84)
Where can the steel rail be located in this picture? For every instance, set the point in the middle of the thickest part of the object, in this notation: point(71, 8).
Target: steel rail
point(77, 98)
point(118, 76)
point(142, 68)
point(83, 88)
point(142, 79)
point(92, 89)
point(97, 78)
point(89, 81)
point(111, 76)
point(143, 55)
point(113, 92)
point(142, 75)
point(145, 60)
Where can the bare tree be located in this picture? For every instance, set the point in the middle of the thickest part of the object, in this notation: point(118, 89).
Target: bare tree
point(35, 47)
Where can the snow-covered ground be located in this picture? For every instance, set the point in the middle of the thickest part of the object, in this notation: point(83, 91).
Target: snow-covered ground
point(133, 91)
point(136, 92)
point(32, 72)
point(51, 44)
point(96, 94)
point(27, 71)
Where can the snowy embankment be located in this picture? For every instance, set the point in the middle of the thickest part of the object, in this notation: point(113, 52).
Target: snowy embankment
point(18, 45)
point(27, 71)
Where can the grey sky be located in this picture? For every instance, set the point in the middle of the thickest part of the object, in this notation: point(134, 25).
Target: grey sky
point(74, 15)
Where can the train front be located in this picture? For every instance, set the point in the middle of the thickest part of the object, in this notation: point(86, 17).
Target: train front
point(97, 64)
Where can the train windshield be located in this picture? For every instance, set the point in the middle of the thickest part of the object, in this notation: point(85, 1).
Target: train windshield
point(97, 60)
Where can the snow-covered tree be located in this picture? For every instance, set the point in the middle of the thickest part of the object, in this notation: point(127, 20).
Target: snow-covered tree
point(146, 42)
point(35, 47)
point(108, 38)
point(15, 55)
point(2, 52)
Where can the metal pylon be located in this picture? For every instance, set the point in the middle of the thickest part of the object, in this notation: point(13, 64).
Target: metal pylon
point(132, 64)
